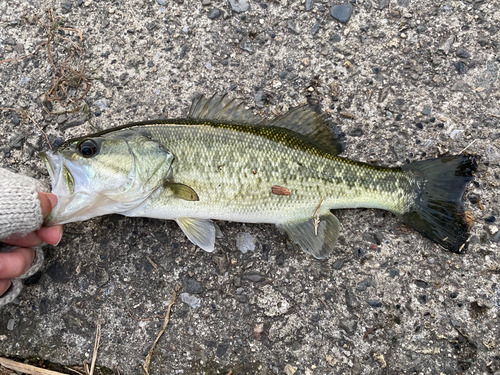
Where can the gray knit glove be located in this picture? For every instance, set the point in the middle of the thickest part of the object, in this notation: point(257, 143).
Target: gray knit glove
point(20, 213)
point(20, 210)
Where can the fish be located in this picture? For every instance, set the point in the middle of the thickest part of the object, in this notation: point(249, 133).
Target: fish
point(223, 162)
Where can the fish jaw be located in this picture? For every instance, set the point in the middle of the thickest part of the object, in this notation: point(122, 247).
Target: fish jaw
point(70, 185)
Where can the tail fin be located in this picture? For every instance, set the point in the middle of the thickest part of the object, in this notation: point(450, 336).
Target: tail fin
point(438, 212)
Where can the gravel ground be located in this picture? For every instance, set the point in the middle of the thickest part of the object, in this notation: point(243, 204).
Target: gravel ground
point(404, 80)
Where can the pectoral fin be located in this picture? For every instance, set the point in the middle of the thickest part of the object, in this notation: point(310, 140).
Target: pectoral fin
point(182, 191)
point(317, 240)
point(201, 232)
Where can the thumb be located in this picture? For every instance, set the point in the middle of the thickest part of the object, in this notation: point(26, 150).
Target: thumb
point(47, 201)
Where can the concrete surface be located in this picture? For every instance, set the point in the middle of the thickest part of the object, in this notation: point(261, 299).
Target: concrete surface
point(405, 80)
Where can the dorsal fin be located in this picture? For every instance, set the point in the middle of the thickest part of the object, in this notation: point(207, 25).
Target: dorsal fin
point(312, 125)
point(303, 120)
point(221, 108)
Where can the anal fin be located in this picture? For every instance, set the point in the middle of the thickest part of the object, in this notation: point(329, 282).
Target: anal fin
point(317, 240)
point(201, 232)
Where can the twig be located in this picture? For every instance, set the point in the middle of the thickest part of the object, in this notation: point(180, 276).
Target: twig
point(25, 56)
point(371, 330)
point(151, 261)
point(470, 144)
point(147, 362)
point(96, 344)
point(72, 369)
point(144, 320)
point(26, 369)
point(324, 303)
point(316, 220)
point(40, 128)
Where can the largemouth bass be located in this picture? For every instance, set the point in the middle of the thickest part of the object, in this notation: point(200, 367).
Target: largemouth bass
point(224, 163)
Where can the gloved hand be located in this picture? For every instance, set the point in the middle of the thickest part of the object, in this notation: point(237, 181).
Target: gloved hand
point(23, 205)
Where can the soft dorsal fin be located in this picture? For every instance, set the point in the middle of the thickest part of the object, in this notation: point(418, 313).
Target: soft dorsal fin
point(221, 108)
point(312, 125)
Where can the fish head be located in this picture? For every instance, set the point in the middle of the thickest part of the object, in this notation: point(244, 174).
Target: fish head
point(104, 174)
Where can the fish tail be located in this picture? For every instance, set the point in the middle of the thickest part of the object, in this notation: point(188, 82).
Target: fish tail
point(437, 210)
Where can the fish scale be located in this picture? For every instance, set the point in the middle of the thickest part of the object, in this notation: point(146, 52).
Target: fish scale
point(234, 192)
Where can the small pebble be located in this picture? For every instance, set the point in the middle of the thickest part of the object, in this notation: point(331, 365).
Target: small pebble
point(245, 242)
point(260, 98)
point(461, 68)
point(462, 53)
point(66, 7)
point(15, 119)
point(102, 103)
point(16, 141)
point(213, 14)
point(490, 219)
point(365, 284)
point(239, 6)
point(191, 300)
point(374, 303)
point(335, 38)
point(10, 324)
point(315, 29)
point(341, 13)
point(192, 285)
point(427, 110)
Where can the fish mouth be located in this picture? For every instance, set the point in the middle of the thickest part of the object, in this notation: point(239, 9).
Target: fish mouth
point(62, 179)
point(63, 185)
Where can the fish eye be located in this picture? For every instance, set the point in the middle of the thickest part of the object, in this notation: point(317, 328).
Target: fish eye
point(88, 148)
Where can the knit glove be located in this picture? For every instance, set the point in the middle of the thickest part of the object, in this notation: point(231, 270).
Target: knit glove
point(20, 210)
point(20, 213)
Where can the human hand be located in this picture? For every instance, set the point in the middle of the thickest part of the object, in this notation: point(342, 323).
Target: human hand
point(18, 261)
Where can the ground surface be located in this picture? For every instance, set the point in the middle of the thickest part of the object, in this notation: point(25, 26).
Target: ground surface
point(405, 80)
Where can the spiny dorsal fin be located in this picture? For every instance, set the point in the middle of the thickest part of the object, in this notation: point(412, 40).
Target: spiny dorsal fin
point(221, 108)
point(312, 125)
point(303, 120)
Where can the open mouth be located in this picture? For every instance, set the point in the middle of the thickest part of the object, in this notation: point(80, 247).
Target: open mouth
point(58, 172)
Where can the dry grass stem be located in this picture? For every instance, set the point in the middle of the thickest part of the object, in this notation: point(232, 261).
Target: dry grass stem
point(97, 343)
point(25, 56)
point(70, 73)
point(316, 219)
point(470, 144)
point(144, 319)
point(39, 128)
point(26, 369)
point(147, 362)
